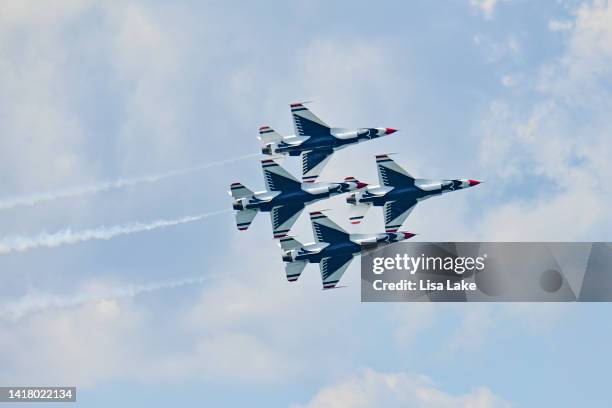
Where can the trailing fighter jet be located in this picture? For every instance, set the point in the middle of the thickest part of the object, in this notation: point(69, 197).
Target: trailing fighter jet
point(398, 193)
point(333, 251)
point(284, 198)
point(314, 140)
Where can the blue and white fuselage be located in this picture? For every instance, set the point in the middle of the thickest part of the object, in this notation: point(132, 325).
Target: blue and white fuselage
point(284, 197)
point(333, 250)
point(308, 193)
point(314, 140)
point(357, 243)
point(399, 193)
point(422, 189)
point(336, 139)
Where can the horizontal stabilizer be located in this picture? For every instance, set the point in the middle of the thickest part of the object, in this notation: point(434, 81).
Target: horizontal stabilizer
point(269, 135)
point(289, 243)
point(294, 270)
point(237, 190)
point(244, 218)
point(357, 212)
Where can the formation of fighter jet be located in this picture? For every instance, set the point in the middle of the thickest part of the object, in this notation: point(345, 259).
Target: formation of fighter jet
point(333, 250)
point(284, 198)
point(398, 193)
point(314, 140)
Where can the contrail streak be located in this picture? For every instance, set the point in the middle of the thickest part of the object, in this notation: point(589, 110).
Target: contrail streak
point(33, 199)
point(36, 303)
point(68, 237)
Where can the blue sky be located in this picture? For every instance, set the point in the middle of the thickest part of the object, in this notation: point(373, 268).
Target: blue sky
point(511, 92)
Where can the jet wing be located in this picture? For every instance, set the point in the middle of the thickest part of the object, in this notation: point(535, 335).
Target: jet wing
point(305, 123)
point(313, 163)
point(283, 218)
point(396, 213)
point(325, 230)
point(332, 269)
point(390, 174)
point(277, 178)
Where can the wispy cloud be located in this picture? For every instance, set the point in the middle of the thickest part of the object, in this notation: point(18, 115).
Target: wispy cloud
point(371, 388)
point(486, 7)
point(68, 237)
point(36, 303)
point(36, 198)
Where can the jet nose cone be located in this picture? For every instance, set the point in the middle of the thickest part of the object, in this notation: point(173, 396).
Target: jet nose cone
point(473, 182)
point(357, 182)
point(408, 235)
point(388, 131)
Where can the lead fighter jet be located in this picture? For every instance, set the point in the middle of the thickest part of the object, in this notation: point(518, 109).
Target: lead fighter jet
point(314, 140)
point(333, 251)
point(284, 198)
point(398, 193)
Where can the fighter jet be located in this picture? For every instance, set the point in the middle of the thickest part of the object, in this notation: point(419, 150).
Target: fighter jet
point(333, 251)
point(284, 198)
point(398, 193)
point(314, 140)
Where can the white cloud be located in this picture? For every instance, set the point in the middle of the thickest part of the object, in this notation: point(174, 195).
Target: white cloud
point(412, 320)
point(559, 25)
point(484, 322)
point(375, 389)
point(74, 346)
point(587, 59)
point(495, 51)
point(30, 13)
point(39, 128)
point(509, 81)
point(486, 7)
point(543, 139)
point(148, 48)
point(574, 214)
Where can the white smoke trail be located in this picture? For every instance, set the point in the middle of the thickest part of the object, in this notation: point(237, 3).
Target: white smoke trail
point(68, 237)
point(36, 303)
point(33, 199)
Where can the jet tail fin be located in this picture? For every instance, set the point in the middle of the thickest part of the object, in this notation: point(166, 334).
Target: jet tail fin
point(357, 212)
point(237, 190)
point(244, 218)
point(269, 135)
